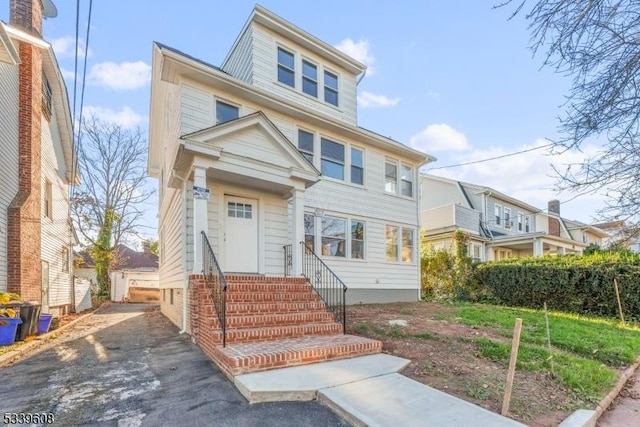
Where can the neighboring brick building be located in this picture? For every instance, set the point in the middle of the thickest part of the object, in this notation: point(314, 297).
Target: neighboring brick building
point(36, 142)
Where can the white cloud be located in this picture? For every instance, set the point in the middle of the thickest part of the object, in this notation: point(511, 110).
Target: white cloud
point(528, 176)
point(371, 100)
point(360, 51)
point(127, 118)
point(65, 47)
point(123, 76)
point(439, 137)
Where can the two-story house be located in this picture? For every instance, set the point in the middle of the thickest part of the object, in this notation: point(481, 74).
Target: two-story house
point(36, 163)
point(264, 153)
point(499, 226)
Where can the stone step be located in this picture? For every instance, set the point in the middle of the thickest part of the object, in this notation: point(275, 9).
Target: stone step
point(241, 321)
point(273, 307)
point(232, 278)
point(241, 358)
point(268, 333)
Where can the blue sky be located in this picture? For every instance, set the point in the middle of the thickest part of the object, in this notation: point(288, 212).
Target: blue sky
point(454, 78)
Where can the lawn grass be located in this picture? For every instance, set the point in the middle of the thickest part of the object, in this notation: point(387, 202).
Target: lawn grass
point(599, 339)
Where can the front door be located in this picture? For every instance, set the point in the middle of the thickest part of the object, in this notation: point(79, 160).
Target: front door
point(240, 235)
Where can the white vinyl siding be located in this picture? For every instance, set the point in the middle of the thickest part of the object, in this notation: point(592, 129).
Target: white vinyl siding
point(239, 62)
point(9, 157)
point(172, 240)
point(55, 237)
point(265, 44)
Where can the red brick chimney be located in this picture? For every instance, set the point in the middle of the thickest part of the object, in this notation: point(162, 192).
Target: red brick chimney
point(553, 208)
point(25, 210)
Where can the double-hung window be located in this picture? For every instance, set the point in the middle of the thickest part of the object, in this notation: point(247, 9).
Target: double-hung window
point(390, 176)
point(400, 243)
point(332, 162)
point(507, 217)
point(48, 199)
point(357, 166)
point(406, 181)
point(527, 223)
point(330, 88)
point(391, 233)
point(305, 144)
point(407, 245)
point(497, 211)
point(520, 221)
point(226, 112)
point(286, 67)
point(309, 79)
point(334, 237)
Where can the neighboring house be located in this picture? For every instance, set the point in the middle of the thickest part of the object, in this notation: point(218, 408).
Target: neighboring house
point(619, 232)
point(264, 151)
point(134, 276)
point(498, 226)
point(36, 163)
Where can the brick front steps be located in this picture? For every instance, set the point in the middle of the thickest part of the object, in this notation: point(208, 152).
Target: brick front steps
point(272, 322)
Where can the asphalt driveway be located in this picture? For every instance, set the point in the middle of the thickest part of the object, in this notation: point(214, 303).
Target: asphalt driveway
point(127, 366)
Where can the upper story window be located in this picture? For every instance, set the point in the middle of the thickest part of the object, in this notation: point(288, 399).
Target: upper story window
point(507, 218)
point(497, 213)
point(305, 144)
point(520, 221)
point(527, 221)
point(390, 176)
point(332, 163)
point(286, 67)
point(226, 112)
point(48, 200)
point(406, 186)
point(357, 166)
point(309, 79)
point(46, 98)
point(330, 88)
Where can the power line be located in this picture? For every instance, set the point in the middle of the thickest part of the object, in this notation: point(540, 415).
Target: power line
point(492, 158)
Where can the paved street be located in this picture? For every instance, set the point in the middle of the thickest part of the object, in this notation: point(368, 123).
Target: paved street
point(127, 366)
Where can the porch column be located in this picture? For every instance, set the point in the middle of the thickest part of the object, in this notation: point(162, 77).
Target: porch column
point(537, 247)
point(297, 228)
point(562, 250)
point(200, 220)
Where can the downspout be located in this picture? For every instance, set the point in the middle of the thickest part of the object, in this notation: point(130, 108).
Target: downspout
point(185, 289)
point(364, 73)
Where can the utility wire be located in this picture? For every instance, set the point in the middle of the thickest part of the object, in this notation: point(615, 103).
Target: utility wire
point(75, 72)
point(491, 158)
point(84, 71)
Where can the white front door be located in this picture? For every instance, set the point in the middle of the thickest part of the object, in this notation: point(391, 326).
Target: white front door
point(240, 235)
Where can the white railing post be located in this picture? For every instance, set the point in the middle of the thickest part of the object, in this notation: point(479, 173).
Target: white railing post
point(297, 229)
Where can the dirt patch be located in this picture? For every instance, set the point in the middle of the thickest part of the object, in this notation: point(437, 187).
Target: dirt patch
point(444, 355)
point(57, 323)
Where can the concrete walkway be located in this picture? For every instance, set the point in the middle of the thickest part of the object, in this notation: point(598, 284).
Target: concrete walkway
point(368, 391)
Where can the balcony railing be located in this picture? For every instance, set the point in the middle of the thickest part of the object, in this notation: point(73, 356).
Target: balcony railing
point(216, 284)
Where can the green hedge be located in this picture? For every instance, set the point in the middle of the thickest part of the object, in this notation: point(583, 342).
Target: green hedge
point(578, 284)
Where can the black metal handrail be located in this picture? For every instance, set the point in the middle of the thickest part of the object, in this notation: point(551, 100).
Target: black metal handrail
point(216, 283)
point(326, 283)
point(288, 260)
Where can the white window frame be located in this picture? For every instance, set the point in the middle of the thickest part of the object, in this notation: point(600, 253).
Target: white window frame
point(324, 87)
point(520, 222)
point(506, 214)
point(527, 223)
point(313, 138)
point(497, 215)
point(336, 161)
point(399, 244)
point(351, 165)
point(387, 183)
point(349, 222)
point(397, 186)
point(364, 239)
point(278, 65)
point(401, 180)
point(303, 76)
point(48, 199)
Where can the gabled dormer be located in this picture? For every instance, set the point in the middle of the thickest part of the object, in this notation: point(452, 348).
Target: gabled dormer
point(277, 56)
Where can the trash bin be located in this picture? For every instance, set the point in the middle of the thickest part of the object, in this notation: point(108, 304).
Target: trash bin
point(30, 314)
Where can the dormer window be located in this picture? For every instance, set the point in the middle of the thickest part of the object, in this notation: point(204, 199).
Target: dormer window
point(286, 67)
point(309, 79)
point(330, 88)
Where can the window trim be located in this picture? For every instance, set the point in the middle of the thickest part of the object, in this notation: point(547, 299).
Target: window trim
point(520, 222)
point(400, 244)
point(527, 223)
point(400, 181)
point(363, 240)
point(317, 236)
point(497, 215)
point(278, 65)
point(313, 140)
point(304, 77)
point(399, 164)
point(351, 165)
point(326, 88)
point(506, 215)
point(48, 199)
point(65, 259)
point(395, 185)
point(336, 161)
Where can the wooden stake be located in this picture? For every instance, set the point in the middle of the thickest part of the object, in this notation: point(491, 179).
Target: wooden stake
point(546, 320)
point(615, 285)
point(512, 366)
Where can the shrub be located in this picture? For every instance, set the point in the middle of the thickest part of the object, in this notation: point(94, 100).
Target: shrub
point(579, 284)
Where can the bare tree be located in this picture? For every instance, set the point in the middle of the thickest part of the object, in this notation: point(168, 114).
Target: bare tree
point(597, 43)
point(107, 206)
